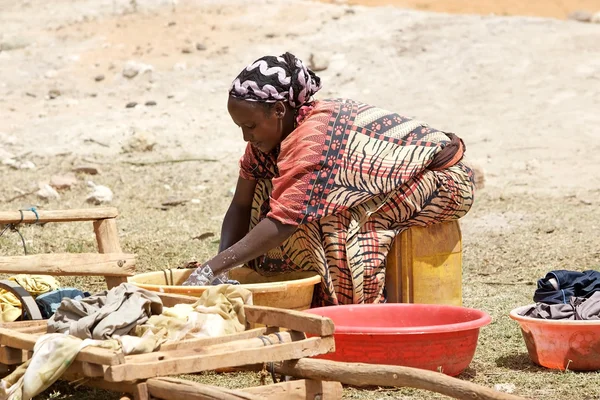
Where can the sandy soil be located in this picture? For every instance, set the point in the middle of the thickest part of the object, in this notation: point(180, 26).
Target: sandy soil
point(523, 92)
point(536, 8)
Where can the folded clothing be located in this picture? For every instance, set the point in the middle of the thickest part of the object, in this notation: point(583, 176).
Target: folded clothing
point(113, 312)
point(578, 308)
point(557, 287)
point(49, 302)
point(35, 285)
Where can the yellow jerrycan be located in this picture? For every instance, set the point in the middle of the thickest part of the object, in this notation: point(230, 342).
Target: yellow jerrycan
point(425, 265)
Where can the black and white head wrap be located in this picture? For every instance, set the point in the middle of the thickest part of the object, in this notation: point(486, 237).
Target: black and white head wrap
point(270, 79)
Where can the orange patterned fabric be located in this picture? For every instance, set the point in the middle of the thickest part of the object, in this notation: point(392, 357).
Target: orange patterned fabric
point(352, 176)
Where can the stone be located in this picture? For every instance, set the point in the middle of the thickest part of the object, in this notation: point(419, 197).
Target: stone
point(140, 141)
point(26, 165)
point(131, 69)
point(13, 43)
point(505, 387)
point(63, 182)
point(4, 154)
point(200, 47)
point(595, 18)
point(150, 103)
point(99, 195)
point(99, 78)
point(53, 93)
point(318, 62)
point(186, 50)
point(131, 104)
point(86, 169)
point(46, 192)
point(581, 16)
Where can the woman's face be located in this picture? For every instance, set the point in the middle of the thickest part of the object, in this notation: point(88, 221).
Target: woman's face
point(261, 126)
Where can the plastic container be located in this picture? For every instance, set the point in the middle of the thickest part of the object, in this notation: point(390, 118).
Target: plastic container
point(433, 337)
point(292, 291)
point(560, 344)
point(425, 265)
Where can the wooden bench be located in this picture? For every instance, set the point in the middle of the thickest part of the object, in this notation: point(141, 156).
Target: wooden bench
point(110, 261)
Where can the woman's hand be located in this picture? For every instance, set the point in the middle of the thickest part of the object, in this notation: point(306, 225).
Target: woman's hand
point(268, 234)
point(202, 276)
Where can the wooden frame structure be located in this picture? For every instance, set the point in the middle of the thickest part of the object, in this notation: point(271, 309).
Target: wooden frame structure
point(272, 334)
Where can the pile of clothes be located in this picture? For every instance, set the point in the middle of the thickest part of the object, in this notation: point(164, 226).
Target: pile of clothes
point(44, 289)
point(566, 294)
point(125, 318)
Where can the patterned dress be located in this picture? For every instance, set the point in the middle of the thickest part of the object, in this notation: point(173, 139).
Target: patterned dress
point(351, 177)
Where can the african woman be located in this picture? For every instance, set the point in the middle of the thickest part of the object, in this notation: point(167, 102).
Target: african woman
point(326, 185)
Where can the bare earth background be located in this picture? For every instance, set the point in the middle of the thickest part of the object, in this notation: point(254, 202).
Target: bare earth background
point(523, 92)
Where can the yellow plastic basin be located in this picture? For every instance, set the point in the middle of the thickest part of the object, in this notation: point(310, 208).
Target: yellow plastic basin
point(293, 291)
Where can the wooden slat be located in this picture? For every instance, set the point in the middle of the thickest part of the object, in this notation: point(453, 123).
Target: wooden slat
point(171, 388)
point(20, 325)
point(12, 356)
point(107, 237)
point(26, 341)
point(290, 319)
point(301, 389)
point(365, 375)
point(112, 264)
point(210, 341)
point(86, 214)
point(201, 360)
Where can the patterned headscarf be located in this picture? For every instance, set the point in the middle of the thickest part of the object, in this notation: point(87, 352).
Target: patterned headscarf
point(270, 79)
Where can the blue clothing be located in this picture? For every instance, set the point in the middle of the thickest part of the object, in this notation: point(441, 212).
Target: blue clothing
point(570, 284)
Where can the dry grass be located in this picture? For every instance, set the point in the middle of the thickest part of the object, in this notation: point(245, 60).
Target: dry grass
point(509, 242)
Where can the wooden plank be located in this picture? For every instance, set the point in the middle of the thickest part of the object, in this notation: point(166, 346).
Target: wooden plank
point(112, 264)
point(301, 389)
point(107, 237)
point(198, 360)
point(209, 341)
point(141, 392)
point(290, 319)
point(85, 214)
point(20, 325)
point(171, 388)
point(286, 337)
point(90, 354)
point(362, 375)
point(12, 356)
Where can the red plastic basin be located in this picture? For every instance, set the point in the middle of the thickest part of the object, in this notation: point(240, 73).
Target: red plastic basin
point(560, 344)
point(427, 336)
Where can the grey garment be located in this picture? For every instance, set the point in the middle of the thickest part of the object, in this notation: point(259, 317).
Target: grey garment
point(578, 308)
point(112, 312)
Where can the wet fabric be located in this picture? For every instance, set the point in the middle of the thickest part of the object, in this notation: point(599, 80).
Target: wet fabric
point(577, 308)
point(101, 316)
point(351, 177)
point(558, 286)
point(49, 302)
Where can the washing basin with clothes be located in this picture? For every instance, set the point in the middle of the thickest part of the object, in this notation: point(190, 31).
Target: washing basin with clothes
point(292, 290)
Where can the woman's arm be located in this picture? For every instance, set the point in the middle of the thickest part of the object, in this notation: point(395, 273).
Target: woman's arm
point(237, 219)
point(268, 234)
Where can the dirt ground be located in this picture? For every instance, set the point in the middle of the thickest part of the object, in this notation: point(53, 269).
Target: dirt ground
point(523, 92)
point(536, 8)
